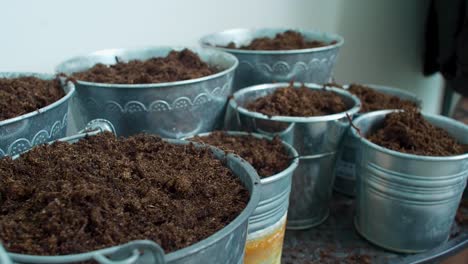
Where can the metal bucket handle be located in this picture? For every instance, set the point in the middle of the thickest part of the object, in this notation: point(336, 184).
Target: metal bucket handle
point(134, 249)
point(4, 258)
point(98, 124)
point(93, 127)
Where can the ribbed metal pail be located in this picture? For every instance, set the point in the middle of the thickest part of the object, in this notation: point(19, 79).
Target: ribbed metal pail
point(407, 203)
point(316, 139)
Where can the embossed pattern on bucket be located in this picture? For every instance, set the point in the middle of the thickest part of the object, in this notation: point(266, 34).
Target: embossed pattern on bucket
point(407, 203)
point(345, 176)
point(46, 124)
point(172, 110)
point(316, 139)
point(313, 65)
point(225, 246)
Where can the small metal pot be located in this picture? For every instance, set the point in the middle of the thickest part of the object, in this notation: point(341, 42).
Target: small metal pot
point(405, 202)
point(312, 65)
point(345, 176)
point(46, 124)
point(225, 246)
point(171, 109)
point(316, 139)
point(267, 223)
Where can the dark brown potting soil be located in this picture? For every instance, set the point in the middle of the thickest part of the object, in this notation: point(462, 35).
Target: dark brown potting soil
point(267, 157)
point(289, 40)
point(22, 95)
point(303, 101)
point(373, 100)
point(409, 132)
point(176, 66)
point(104, 191)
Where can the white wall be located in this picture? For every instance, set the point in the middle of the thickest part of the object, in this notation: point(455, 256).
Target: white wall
point(384, 43)
point(382, 37)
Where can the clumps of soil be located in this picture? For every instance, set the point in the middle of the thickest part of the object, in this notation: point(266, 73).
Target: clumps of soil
point(267, 157)
point(409, 132)
point(299, 102)
point(373, 100)
point(23, 95)
point(176, 66)
point(104, 191)
point(289, 40)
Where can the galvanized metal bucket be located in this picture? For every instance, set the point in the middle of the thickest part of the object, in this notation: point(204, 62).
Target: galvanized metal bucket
point(407, 203)
point(171, 110)
point(267, 223)
point(316, 139)
point(345, 176)
point(225, 246)
point(46, 124)
point(313, 65)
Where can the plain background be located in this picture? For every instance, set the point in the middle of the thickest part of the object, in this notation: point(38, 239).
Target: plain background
point(383, 39)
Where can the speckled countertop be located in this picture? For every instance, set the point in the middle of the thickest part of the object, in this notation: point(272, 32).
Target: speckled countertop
point(336, 241)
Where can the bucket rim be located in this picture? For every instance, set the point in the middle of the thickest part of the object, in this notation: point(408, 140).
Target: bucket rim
point(44, 76)
point(398, 154)
point(390, 90)
point(233, 63)
point(204, 41)
point(243, 216)
point(295, 119)
point(178, 254)
point(290, 149)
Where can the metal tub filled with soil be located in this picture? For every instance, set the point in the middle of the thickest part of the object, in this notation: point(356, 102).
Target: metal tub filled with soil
point(373, 98)
point(275, 162)
point(278, 55)
point(172, 92)
point(310, 118)
point(33, 110)
point(139, 199)
point(411, 172)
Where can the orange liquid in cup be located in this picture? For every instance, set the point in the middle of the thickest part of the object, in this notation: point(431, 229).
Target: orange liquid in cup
point(265, 246)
